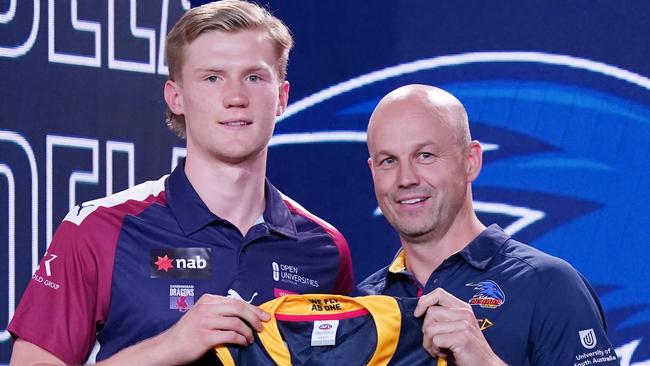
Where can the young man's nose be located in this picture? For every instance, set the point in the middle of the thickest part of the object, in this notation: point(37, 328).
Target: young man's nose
point(235, 96)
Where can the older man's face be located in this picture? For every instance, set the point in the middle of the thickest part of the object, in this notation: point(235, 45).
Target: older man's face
point(418, 169)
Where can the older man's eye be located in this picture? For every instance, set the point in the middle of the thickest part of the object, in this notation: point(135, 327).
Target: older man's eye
point(387, 161)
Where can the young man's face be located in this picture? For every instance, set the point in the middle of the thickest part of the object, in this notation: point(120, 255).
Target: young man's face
point(418, 169)
point(230, 94)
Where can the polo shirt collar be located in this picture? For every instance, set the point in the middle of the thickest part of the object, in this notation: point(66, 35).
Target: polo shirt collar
point(478, 253)
point(276, 213)
point(192, 214)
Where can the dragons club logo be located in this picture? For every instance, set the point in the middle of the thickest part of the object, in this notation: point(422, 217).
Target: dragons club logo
point(565, 165)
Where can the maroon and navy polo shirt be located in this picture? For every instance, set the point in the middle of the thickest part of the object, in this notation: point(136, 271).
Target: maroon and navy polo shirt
point(533, 308)
point(126, 267)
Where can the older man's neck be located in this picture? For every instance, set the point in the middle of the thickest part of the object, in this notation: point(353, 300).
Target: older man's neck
point(422, 258)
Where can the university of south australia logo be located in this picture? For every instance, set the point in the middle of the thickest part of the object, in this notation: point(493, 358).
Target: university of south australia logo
point(588, 338)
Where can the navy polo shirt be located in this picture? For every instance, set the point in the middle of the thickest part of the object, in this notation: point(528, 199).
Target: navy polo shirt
point(533, 308)
point(126, 267)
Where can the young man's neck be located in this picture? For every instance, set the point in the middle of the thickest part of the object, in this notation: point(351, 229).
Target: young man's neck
point(422, 258)
point(234, 192)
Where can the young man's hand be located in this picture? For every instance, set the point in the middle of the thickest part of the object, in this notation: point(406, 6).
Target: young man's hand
point(211, 321)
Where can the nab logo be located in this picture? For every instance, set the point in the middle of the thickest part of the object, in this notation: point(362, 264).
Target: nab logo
point(196, 262)
point(181, 263)
point(164, 263)
point(588, 338)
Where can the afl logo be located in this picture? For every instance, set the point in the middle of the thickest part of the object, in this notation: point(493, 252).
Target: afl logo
point(276, 271)
point(325, 326)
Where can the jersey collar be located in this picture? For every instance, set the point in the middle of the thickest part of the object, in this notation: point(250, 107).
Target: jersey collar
point(384, 311)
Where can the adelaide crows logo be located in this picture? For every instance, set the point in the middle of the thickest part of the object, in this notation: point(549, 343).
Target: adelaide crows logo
point(489, 294)
point(566, 148)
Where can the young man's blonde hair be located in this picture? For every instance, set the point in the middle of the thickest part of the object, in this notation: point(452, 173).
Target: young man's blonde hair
point(228, 16)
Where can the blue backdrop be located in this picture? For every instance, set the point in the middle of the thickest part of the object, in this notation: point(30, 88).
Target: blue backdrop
point(559, 94)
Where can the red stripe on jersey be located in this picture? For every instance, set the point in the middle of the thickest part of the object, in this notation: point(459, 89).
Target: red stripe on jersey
point(314, 317)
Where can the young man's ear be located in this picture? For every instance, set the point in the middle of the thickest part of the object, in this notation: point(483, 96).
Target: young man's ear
point(283, 98)
point(474, 160)
point(173, 97)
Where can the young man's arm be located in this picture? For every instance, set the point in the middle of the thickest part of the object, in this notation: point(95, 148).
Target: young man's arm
point(26, 353)
point(212, 320)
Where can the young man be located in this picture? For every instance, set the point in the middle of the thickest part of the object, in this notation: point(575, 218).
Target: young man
point(142, 274)
point(489, 298)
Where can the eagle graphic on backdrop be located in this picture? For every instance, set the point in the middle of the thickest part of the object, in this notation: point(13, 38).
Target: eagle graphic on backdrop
point(566, 152)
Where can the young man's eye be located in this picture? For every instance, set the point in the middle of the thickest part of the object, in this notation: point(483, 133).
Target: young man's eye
point(212, 78)
point(254, 78)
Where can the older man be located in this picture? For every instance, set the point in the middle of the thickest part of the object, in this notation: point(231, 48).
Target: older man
point(488, 299)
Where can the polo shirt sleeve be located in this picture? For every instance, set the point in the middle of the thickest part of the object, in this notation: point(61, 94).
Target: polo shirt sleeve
point(60, 308)
point(568, 325)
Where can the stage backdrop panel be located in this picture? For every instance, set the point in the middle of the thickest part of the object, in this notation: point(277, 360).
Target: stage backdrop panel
point(557, 92)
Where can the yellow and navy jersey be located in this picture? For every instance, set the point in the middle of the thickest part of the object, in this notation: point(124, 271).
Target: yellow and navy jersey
point(318, 329)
